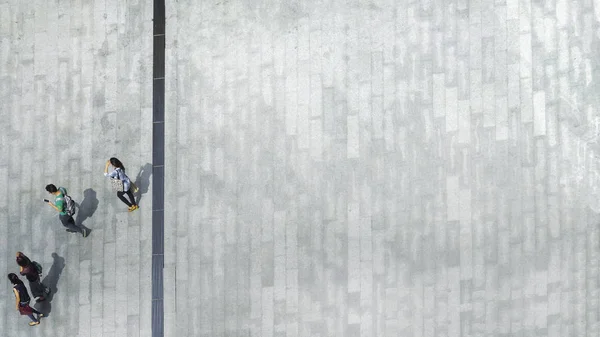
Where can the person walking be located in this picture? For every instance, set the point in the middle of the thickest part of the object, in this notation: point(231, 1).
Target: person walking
point(32, 271)
point(22, 300)
point(64, 205)
point(120, 178)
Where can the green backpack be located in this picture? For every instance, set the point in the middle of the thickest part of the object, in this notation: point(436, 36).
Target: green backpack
point(38, 267)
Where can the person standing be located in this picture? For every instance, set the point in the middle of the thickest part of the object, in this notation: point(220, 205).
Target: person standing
point(118, 173)
point(32, 272)
point(22, 300)
point(60, 206)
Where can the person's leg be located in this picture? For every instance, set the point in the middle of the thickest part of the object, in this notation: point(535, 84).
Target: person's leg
point(38, 290)
point(131, 197)
point(46, 289)
point(34, 320)
point(69, 222)
point(43, 289)
point(121, 196)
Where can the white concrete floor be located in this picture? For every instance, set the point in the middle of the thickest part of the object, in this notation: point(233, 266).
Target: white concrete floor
point(333, 168)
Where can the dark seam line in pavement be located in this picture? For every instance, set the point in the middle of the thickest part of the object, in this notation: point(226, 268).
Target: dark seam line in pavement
point(158, 172)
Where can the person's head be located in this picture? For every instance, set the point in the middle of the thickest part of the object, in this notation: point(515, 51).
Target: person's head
point(14, 279)
point(51, 188)
point(116, 163)
point(22, 261)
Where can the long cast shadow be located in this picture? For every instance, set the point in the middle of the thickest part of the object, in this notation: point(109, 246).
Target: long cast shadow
point(142, 181)
point(51, 281)
point(87, 207)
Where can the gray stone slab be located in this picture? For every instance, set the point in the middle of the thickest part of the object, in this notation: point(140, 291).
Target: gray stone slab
point(398, 168)
point(74, 94)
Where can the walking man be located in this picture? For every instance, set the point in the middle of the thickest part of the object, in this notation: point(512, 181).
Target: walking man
point(22, 300)
point(32, 271)
point(64, 205)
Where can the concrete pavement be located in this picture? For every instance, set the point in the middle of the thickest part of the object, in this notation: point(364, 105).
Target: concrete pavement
point(76, 90)
point(382, 168)
point(332, 168)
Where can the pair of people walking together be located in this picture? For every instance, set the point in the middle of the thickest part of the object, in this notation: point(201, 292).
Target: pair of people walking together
point(32, 271)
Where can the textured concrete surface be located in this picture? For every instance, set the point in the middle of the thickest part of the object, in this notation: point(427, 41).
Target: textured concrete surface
point(75, 89)
point(334, 168)
point(382, 168)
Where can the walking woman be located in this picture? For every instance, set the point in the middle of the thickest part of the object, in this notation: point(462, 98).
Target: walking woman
point(118, 173)
point(22, 300)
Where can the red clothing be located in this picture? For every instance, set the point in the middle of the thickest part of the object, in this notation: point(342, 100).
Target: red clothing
point(25, 309)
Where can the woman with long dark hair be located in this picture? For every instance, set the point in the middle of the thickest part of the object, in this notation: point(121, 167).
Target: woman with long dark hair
point(118, 172)
point(22, 300)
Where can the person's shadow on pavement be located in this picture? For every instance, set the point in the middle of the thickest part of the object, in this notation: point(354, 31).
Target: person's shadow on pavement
point(51, 281)
point(87, 207)
point(142, 181)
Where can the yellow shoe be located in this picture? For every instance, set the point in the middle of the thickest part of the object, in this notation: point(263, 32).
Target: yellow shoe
point(34, 323)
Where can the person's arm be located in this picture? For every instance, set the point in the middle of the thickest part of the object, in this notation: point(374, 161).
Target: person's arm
point(25, 271)
point(106, 167)
point(58, 208)
point(18, 300)
point(113, 174)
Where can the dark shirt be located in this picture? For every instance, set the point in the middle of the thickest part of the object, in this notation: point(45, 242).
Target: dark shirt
point(23, 294)
point(30, 273)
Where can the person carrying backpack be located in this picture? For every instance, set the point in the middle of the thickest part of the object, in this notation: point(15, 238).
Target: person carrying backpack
point(65, 206)
point(33, 272)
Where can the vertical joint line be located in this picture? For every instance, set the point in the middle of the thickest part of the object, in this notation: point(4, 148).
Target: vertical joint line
point(158, 155)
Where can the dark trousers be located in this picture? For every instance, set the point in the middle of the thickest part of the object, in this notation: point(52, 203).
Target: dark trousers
point(121, 196)
point(69, 222)
point(38, 289)
point(34, 312)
